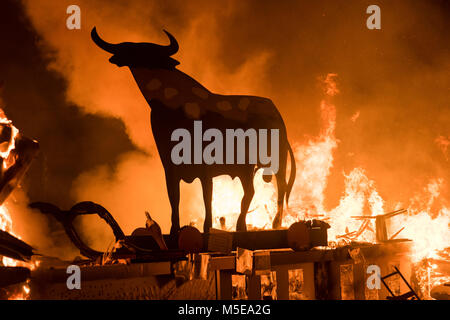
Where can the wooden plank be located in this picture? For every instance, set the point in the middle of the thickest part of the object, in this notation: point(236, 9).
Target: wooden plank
point(105, 272)
point(224, 285)
point(24, 152)
point(254, 287)
point(321, 280)
point(13, 247)
point(292, 257)
point(204, 268)
point(263, 239)
point(308, 281)
point(347, 281)
point(359, 281)
point(219, 241)
point(13, 275)
point(279, 257)
point(222, 263)
point(244, 261)
point(282, 276)
point(386, 268)
point(262, 261)
point(334, 281)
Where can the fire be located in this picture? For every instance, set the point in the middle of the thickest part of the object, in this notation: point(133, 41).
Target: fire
point(316, 159)
point(6, 223)
point(7, 146)
point(430, 233)
point(5, 219)
point(5, 152)
point(429, 230)
point(226, 203)
point(359, 190)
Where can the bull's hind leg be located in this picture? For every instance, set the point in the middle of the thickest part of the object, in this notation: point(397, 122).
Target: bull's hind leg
point(207, 186)
point(249, 192)
point(281, 186)
point(173, 190)
point(281, 191)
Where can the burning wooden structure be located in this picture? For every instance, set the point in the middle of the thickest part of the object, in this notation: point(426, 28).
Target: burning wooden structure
point(325, 274)
point(16, 155)
point(218, 265)
point(208, 266)
point(294, 263)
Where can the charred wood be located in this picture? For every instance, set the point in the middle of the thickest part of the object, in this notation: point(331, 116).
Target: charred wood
point(13, 275)
point(14, 248)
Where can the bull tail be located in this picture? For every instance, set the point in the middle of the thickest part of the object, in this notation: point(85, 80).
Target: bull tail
point(291, 175)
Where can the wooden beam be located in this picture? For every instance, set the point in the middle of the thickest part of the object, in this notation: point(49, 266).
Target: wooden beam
point(254, 287)
point(334, 281)
point(224, 285)
point(282, 274)
point(308, 281)
point(359, 281)
point(264, 239)
point(321, 280)
point(293, 257)
point(105, 272)
point(13, 275)
point(25, 151)
point(222, 263)
point(14, 248)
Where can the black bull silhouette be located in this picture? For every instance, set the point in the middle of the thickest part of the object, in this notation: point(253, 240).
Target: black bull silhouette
point(176, 101)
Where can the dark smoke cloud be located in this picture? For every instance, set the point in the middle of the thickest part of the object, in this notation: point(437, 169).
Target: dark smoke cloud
point(34, 98)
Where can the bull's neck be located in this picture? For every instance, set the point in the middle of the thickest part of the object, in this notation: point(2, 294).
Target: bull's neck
point(166, 86)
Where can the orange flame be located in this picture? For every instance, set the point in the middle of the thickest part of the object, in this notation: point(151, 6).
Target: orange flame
point(430, 232)
point(6, 223)
point(5, 218)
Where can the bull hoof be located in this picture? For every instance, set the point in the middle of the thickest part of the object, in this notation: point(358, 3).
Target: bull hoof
point(206, 227)
point(174, 232)
point(241, 225)
point(276, 224)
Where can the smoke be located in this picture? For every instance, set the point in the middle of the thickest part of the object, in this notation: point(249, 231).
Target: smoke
point(36, 229)
point(393, 79)
point(29, 225)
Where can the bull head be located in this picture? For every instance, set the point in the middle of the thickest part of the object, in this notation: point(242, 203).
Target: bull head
point(139, 55)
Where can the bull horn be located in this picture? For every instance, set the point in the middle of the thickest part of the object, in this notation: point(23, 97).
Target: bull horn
point(109, 47)
point(172, 48)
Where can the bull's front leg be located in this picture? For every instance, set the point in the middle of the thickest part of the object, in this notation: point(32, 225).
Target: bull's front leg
point(173, 191)
point(207, 186)
point(249, 192)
